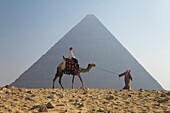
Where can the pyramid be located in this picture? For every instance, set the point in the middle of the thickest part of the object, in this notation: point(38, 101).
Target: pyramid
point(92, 43)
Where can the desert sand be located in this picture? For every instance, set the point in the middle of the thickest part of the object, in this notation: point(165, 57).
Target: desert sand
point(87, 100)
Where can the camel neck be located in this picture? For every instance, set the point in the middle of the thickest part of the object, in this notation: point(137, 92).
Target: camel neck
point(83, 70)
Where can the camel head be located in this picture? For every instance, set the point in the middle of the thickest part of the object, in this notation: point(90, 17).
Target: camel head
point(91, 65)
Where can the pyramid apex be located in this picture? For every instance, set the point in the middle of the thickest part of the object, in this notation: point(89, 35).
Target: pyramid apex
point(91, 15)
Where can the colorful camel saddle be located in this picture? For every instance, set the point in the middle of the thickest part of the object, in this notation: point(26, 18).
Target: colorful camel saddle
point(70, 66)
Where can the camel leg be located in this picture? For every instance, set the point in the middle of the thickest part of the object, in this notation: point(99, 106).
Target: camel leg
point(60, 81)
point(81, 80)
point(56, 76)
point(73, 81)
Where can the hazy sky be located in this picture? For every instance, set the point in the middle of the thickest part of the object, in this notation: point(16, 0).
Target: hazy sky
point(29, 28)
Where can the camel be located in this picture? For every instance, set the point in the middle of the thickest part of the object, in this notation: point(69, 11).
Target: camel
point(61, 70)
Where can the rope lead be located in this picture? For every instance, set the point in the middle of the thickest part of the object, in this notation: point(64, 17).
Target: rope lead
point(107, 70)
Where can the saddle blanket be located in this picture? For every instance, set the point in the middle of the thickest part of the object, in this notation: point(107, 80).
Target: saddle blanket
point(70, 66)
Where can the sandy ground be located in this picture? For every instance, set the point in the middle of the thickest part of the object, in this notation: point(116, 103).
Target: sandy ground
point(21, 100)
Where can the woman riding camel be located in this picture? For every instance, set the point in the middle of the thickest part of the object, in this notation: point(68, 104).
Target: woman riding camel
point(71, 56)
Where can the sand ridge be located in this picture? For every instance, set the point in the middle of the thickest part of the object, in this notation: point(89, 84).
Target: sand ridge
point(87, 100)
